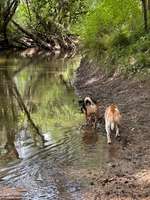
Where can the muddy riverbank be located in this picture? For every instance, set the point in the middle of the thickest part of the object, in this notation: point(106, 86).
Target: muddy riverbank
point(127, 175)
point(76, 163)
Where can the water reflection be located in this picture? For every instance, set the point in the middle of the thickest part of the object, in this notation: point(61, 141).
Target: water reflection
point(8, 111)
point(44, 94)
point(90, 136)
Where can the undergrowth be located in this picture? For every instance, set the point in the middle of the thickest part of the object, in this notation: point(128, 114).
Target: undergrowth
point(113, 32)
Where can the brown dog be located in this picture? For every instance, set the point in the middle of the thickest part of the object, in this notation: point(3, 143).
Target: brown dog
point(112, 121)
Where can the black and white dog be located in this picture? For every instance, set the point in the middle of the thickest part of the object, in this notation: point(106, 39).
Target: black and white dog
point(90, 108)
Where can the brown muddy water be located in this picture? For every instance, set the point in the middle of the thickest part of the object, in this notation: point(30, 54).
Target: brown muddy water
point(51, 172)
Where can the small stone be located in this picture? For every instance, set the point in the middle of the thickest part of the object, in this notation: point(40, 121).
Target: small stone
point(113, 165)
point(126, 182)
point(92, 183)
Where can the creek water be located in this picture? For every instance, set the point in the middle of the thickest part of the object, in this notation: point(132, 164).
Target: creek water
point(54, 171)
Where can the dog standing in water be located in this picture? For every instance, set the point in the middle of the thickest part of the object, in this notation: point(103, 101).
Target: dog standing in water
point(112, 121)
point(90, 108)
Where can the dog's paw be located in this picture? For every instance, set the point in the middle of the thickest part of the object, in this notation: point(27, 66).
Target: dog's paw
point(108, 142)
point(117, 136)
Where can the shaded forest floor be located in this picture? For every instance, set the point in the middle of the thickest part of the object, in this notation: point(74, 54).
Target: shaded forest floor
point(127, 176)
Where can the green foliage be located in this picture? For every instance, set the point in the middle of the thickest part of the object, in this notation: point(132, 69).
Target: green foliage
point(121, 39)
point(45, 18)
point(135, 58)
point(45, 14)
point(108, 17)
point(113, 32)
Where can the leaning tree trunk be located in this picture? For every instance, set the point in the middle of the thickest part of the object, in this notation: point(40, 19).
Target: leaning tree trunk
point(4, 30)
point(7, 14)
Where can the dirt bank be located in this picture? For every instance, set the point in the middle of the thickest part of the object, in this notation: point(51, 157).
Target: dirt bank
point(127, 177)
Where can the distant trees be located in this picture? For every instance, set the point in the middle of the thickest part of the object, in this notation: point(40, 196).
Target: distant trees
point(47, 21)
point(50, 22)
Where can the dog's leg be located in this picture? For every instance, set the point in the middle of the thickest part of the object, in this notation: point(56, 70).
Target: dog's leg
point(86, 117)
point(94, 123)
point(117, 131)
point(108, 131)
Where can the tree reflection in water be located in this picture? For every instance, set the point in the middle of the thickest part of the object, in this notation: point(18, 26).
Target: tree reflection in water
point(8, 112)
point(35, 92)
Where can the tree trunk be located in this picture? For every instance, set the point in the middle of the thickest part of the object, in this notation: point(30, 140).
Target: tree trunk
point(5, 34)
point(7, 15)
point(149, 5)
point(144, 5)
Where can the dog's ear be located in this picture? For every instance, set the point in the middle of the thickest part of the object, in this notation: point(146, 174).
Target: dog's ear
point(81, 102)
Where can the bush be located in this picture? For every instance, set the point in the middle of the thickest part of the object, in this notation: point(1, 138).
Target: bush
point(109, 17)
point(121, 39)
point(113, 31)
